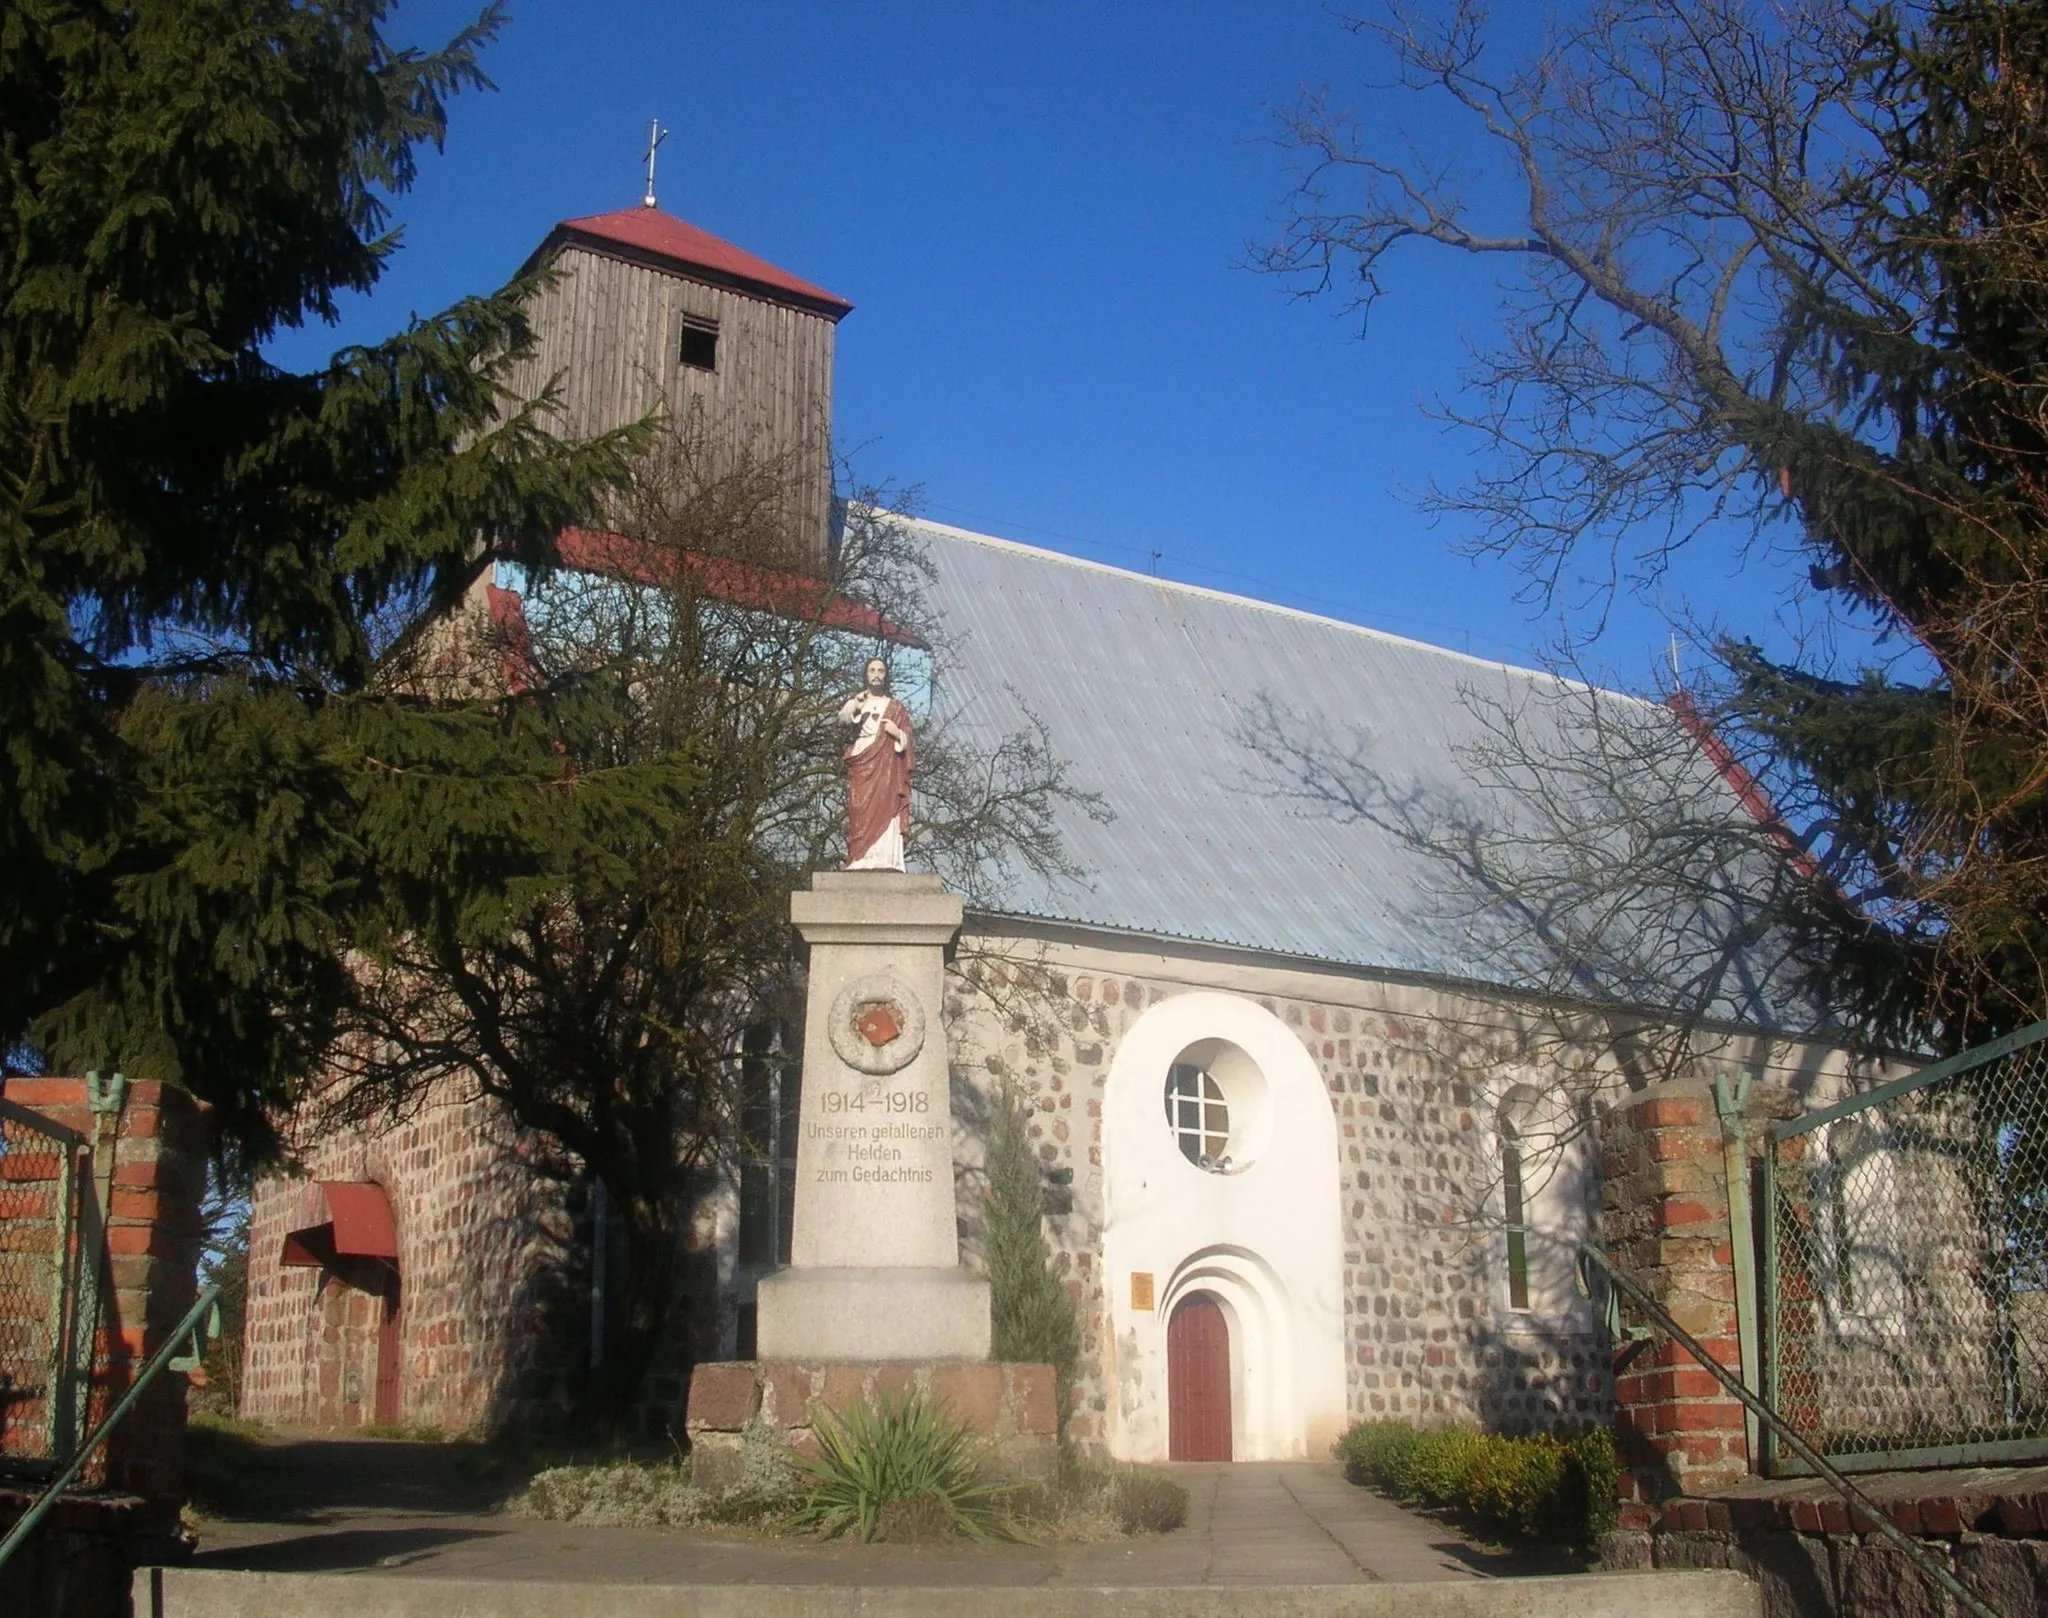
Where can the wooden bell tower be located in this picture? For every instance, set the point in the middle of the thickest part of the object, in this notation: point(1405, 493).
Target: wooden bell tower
point(646, 313)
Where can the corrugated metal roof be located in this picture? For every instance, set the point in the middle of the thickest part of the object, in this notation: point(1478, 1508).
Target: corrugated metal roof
point(1278, 780)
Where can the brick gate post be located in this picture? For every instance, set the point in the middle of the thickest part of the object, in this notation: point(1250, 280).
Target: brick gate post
point(156, 1180)
point(1664, 1218)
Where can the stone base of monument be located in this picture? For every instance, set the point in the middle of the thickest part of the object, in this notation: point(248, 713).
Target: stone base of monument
point(844, 1313)
point(1010, 1406)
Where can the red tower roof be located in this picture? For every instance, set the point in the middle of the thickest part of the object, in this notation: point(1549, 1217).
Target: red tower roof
point(649, 236)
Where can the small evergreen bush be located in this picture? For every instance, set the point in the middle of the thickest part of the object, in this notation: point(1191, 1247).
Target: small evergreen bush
point(903, 1467)
point(1030, 1314)
point(1546, 1488)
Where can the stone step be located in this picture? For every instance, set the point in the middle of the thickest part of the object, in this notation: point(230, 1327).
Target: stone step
point(207, 1593)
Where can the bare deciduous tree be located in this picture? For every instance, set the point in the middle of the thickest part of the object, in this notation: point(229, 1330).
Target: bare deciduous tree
point(1774, 275)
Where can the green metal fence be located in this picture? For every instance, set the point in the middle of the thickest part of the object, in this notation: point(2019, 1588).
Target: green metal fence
point(1905, 1267)
point(46, 1311)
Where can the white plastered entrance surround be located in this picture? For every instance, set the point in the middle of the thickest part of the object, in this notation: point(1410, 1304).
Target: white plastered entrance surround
point(1264, 1238)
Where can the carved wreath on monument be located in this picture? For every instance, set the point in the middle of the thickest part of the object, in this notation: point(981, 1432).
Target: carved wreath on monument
point(876, 1024)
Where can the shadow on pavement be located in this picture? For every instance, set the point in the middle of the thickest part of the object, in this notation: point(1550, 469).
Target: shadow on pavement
point(237, 1477)
point(344, 1550)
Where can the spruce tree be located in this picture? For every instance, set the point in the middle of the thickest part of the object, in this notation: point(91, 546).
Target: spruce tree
point(203, 555)
point(1922, 488)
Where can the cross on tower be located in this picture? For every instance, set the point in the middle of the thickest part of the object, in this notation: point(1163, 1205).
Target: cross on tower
point(655, 136)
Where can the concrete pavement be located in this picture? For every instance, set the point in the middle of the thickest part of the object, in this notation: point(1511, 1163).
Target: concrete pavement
point(373, 1529)
point(1284, 1522)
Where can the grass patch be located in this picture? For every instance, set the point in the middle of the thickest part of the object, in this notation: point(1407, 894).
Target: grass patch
point(624, 1494)
point(904, 1473)
point(630, 1492)
point(1146, 1503)
point(406, 1432)
point(1541, 1489)
point(1098, 1502)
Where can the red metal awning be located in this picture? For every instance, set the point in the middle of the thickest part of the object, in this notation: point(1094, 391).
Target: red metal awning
point(342, 1219)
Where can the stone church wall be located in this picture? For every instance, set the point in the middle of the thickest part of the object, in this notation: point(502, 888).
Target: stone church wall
point(1414, 1078)
point(495, 1233)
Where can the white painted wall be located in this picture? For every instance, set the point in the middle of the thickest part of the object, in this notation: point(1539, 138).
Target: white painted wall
point(1265, 1238)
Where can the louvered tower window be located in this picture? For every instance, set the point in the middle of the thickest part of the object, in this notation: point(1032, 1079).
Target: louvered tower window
point(698, 349)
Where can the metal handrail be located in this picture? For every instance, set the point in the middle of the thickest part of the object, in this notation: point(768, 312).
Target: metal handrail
point(1859, 1502)
point(201, 1321)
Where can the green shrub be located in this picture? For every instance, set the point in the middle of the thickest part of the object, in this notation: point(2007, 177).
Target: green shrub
point(902, 1466)
point(1031, 1317)
point(624, 1494)
point(1089, 1502)
point(1557, 1490)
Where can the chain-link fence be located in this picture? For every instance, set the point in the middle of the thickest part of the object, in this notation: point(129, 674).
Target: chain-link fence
point(1905, 1237)
point(45, 1172)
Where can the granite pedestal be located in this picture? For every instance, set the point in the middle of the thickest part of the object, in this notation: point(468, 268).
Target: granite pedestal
point(875, 1270)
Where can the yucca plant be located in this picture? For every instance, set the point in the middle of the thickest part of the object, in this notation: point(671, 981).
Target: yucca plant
point(902, 1453)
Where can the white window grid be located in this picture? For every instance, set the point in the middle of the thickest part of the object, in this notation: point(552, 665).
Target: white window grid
point(1197, 1114)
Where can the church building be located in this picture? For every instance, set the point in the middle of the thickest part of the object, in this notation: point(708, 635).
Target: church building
point(1318, 1124)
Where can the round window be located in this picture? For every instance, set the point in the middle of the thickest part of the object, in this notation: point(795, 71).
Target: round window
point(1216, 1106)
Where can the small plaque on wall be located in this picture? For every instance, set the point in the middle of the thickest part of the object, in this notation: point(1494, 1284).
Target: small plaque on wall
point(1141, 1289)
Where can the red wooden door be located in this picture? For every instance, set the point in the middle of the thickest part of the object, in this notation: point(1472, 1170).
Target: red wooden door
point(1198, 1380)
point(388, 1350)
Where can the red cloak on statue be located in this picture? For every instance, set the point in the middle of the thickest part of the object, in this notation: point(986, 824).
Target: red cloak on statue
point(878, 785)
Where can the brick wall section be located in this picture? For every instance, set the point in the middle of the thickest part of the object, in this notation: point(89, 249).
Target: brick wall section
point(159, 1144)
point(493, 1241)
point(1009, 1406)
point(1988, 1526)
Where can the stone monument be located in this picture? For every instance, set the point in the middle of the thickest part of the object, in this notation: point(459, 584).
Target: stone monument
point(874, 1302)
point(875, 1268)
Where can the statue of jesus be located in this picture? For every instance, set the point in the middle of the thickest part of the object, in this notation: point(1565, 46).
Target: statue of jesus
point(879, 761)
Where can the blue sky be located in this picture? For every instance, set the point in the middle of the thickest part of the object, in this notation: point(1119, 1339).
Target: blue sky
point(1041, 215)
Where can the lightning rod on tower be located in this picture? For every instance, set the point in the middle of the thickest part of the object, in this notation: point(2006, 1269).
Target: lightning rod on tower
point(655, 136)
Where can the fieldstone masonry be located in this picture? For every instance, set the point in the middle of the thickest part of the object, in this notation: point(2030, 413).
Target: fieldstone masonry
point(1429, 1336)
point(1010, 1406)
point(494, 1243)
point(495, 1233)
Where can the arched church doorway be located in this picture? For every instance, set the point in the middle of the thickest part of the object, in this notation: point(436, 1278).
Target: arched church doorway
point(1198, 1380)
point(1221, 1171)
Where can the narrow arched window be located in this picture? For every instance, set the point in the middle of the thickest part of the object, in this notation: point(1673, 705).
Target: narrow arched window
point(1514, 1219)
